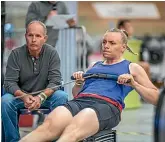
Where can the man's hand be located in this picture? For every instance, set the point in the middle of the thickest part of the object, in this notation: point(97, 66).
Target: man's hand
point(36, 103)
point(28, 100)
point(52, 13)
point(71, 22)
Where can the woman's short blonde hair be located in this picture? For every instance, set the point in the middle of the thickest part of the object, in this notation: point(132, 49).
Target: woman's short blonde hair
point(124, 36)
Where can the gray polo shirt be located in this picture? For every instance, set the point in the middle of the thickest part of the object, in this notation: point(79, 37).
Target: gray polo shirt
point(24, 72)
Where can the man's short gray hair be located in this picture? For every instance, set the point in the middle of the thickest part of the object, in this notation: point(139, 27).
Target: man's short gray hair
point(41, 23)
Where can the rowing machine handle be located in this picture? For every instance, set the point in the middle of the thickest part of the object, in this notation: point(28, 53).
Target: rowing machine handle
point(113, 77)
point(84, 75)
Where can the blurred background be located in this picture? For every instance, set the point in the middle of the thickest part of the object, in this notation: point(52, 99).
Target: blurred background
point(148, 38)
point(147, 20)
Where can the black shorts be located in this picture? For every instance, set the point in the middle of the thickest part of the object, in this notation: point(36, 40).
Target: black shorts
point(108, 114)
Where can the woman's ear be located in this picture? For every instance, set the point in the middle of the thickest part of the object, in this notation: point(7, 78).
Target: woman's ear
point(124, 47)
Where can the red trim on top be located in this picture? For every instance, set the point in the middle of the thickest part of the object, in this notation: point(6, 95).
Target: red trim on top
point(118, 105)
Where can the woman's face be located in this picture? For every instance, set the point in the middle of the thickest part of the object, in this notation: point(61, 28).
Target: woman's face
point(112, 45)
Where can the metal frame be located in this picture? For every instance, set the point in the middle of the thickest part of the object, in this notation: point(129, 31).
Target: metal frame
point(71, 46)
point(103, 136)
point(37, 111)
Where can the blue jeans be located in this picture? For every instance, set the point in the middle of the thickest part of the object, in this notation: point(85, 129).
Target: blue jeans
point(10, 116)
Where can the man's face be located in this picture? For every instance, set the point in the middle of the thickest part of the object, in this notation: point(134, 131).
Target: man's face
point(35, 37)
point(112, 45)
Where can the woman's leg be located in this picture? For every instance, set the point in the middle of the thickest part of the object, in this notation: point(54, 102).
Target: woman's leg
point(83, 125)
point(58, 98)
point(52, 127)
point(97, 115)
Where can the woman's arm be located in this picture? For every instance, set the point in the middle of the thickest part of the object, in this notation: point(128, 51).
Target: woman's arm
point(78, 83)
point(76, 88)
point(79, 80)
point(143, 85)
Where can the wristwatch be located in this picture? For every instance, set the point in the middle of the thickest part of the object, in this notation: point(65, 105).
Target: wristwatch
point(43, 95)
point(42, 99)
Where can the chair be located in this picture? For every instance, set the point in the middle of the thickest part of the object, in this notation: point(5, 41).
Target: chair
point(37, 111)
point(40, 112)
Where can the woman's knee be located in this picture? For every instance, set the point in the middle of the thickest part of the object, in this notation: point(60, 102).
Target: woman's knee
point(77, 128)
point(47, 123)
point(71, 132)
point(47, 128)
point(51, 126)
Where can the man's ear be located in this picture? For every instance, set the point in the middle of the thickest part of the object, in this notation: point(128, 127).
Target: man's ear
point(25, 35)
point(46, 38)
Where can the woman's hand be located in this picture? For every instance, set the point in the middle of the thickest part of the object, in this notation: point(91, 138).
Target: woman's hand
point(79, 77)
point(126, 79)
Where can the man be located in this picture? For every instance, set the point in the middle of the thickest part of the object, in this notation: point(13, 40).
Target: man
point(32, 67)
point(98, 103)
point(43, 10)
point(127, 26)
